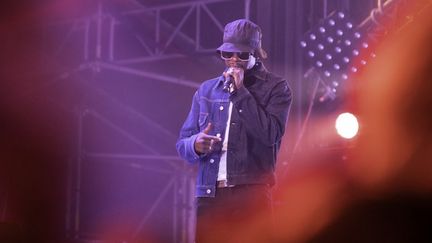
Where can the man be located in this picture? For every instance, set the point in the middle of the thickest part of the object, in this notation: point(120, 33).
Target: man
point(233, 132)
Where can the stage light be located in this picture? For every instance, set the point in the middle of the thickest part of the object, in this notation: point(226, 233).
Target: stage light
point(311, 53)
point(365, 45)
point(303, 44)
point(331, 46)
point(347, 125)
point(363, 62)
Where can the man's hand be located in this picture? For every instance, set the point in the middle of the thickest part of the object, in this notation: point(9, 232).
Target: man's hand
point(204, 142)
point(238, 74)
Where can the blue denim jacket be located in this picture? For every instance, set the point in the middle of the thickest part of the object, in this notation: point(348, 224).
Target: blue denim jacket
point(260, 111)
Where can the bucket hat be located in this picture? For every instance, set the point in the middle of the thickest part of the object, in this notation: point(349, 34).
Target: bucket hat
point(242, 35)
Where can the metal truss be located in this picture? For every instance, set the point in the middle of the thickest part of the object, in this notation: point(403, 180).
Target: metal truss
point(180, 183)
point(151, 32)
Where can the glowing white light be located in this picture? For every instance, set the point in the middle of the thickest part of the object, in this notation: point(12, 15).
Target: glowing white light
point(332, 22)
point(311, 53)
point(357, 35)
point(349, 25)
point(346, 59)
point(327, 73)
point(336, 66)
point(319, 64)
point(303, 44)
point(363, 62)
point(329, 57)
point(330, 39)
point(335, 83)
point(338, 49)
point(354, 69)
point(344, 76)
point(356, 52)
point(339, 32)
point(347, 42)
point(320, 47)
point(347, 125)
point(322, 29)
point(341, 15)
point(373, 55)
point(312, 37)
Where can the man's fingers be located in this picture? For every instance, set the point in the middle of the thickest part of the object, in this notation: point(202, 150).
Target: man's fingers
point(210, 137)
point(208, 128)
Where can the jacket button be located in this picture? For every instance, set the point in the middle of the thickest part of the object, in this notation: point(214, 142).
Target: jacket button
point(221, 108)
point(211, 161)
point(208, 191)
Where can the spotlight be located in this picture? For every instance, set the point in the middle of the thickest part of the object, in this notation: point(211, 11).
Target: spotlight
point(331, 46)
point(303, 44)
point(347, 125)
point(311, 53)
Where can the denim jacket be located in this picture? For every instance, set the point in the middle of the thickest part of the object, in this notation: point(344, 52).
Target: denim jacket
point(259, 113)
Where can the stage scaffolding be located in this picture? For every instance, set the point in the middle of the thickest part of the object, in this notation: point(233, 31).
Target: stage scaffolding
point(99, 35)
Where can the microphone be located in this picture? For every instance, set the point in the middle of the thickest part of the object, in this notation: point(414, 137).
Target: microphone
point(228, 80)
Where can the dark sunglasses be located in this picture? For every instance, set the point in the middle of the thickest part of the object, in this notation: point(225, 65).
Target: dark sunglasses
point(243, 56)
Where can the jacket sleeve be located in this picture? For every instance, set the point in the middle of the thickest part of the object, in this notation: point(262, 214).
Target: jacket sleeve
point(189, 132)
point(265, 123)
